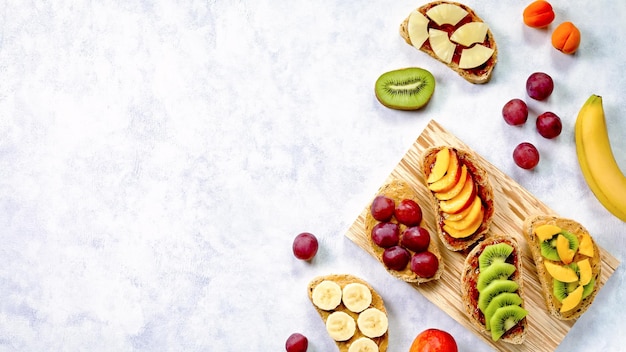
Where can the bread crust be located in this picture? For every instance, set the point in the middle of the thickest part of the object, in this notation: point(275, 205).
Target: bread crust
point(397, 190)
point(377, 302)
point(485, 192)
point(469, 278)
point(552, 303)
point(480, 75)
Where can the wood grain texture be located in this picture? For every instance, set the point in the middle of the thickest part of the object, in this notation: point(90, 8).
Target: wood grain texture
point(513, 204)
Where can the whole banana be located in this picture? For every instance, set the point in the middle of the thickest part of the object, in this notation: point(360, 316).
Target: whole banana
point(596, 159)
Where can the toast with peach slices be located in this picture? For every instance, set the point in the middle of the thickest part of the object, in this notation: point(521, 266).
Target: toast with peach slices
point(568, 264)
point(461, 195)
point(456, 36)
point(398, 191)
point(353, 312)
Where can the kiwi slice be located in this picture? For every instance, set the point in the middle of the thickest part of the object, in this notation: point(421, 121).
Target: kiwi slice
point(548, 247)
point(494, 272)
point(494, 253)
point(495, 288)
point(405, 89)
point(499, 301)
point(504, 319)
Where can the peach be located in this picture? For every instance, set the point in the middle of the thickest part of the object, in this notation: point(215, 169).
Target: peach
point(442, 160)
point(451, 178)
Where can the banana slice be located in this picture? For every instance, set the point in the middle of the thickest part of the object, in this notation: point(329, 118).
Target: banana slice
point(327, 295)
point(363, 344)
point(340, 326)
point(372, 322)
point(356, 297)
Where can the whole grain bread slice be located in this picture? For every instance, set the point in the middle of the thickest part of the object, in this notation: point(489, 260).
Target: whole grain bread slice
point(479, 75)
point(553, 305)
point(469, 277)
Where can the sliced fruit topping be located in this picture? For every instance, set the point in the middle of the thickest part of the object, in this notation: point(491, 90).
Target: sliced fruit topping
point(493, 254)
point(499, 301)
point(340, 326)
point(408, 212)
point(442, 160)
point(417, 28)
point(372, 322)
point(548, 247)
point(452, 192)
point(585, 272)
point(424, 264)
point(547, 231)
point(561, 273)
point(441, 45)
point(566, 254)
point(570, 302)
point(586, 245)
point(446, 14)
point(472, 228)
point(450, 179)
point(461, 200)
point(495, 288)
point(327, 295)
point(475, 56)
point(356, 297)
point(470, 33)
point(496, 271)
point(382, 208)
point(363, 344)
point(504, 319)
point(473, 212)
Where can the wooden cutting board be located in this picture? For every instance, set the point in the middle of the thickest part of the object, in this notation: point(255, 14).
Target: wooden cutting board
point(513, 204)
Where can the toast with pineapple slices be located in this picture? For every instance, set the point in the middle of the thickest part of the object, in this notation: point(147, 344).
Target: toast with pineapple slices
point(474, 60)
point(564, 300)
point(351, 300)
point(461, 195)
point(486, 266)
point(399, 190)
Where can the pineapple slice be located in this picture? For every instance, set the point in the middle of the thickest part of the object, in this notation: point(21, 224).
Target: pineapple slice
point(475, 56)
point(446, 14)
point(470, 33)
point(418, 28)
point(441, 45)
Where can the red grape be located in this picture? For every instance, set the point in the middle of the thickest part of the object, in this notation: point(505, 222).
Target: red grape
point(386, 234)
point(408, 212)
point(549, 125)
point(415, 238)
point(424, 264)
point(382, 208)
point(539, 86)
point(526, 155)
point(305, 246)
point(515, 112)
point(297, 343)
point(396, 258)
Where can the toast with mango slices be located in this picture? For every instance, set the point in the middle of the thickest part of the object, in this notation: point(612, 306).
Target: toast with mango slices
point(455, 35)
point(568, 263)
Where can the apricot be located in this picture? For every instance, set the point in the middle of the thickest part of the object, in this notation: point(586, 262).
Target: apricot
point(566, 38)
point(538, 14)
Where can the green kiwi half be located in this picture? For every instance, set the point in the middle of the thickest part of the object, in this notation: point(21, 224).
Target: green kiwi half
point(405, 89)
point(504, 319)
point(494, 253)
point(548, 247)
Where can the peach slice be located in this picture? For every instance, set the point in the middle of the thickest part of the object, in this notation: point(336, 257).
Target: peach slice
point(461, 200)
point(586, 245)
point(470, 218)
point(457, 188)
point(546, 231)
point(570, 302)
point(562, 248)
point(463, 213)
point(442, 160)
point(561, 273)
point(451, 177)
point(468, 230)
point(584, 268)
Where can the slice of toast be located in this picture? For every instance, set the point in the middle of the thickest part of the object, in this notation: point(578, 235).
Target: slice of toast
point(469, 291)
point(478, 75)
point(398, 190)
point(553, 305)
point(484, 191)
point(377, 302)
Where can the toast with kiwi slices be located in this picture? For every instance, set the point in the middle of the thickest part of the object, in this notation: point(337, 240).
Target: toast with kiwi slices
point(393, 228)
point(353, 312)
point(455, 35)
point(493, 290)
point(568, 264)
point(461, 195)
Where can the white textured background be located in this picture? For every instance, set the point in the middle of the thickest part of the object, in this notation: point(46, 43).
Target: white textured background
point(158, 157)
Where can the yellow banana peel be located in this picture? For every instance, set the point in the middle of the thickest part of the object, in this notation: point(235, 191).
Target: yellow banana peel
point(596, 159)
